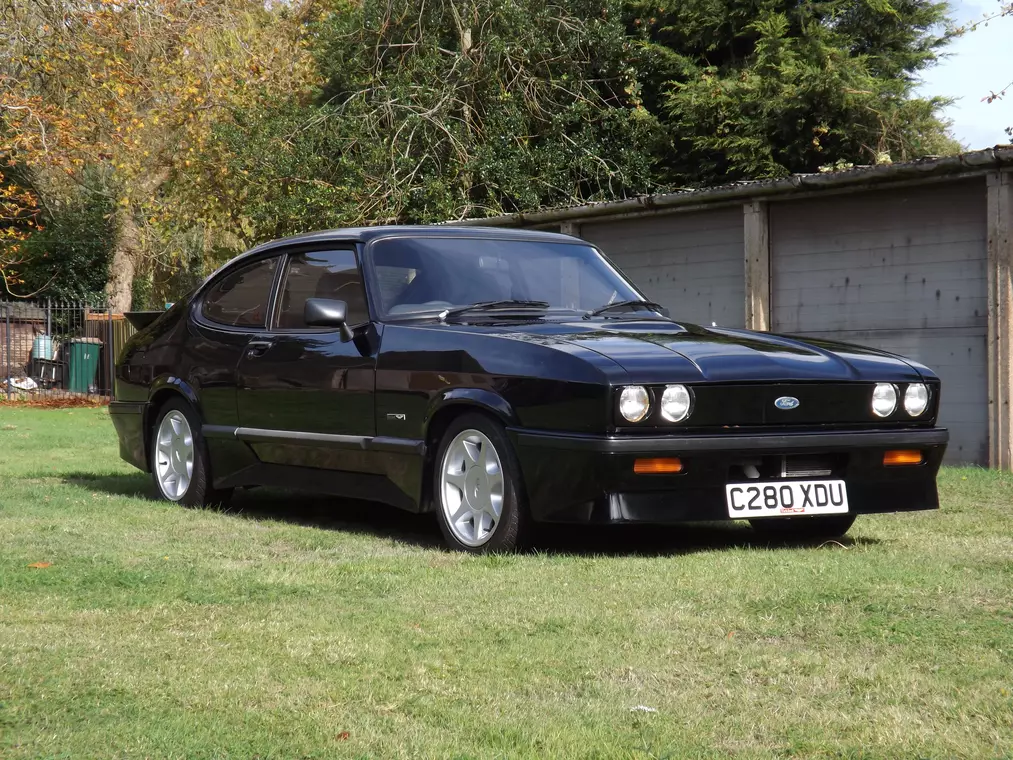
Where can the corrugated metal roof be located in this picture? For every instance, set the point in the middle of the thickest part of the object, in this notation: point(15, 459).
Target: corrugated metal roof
point(975, 162)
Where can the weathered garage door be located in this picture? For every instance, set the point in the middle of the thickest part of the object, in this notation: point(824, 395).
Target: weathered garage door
point(901, 270)
point(691, 263)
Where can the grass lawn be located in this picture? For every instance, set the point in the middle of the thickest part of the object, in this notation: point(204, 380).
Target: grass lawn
point(294, 627)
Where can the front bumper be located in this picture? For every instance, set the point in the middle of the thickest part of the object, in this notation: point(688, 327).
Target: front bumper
point(581, 478)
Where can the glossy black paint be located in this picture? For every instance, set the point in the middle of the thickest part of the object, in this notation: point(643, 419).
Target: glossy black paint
point(363, 417)
point(325, 312)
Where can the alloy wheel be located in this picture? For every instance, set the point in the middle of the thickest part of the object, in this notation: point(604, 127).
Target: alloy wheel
point(174, 455)
point(471, 487)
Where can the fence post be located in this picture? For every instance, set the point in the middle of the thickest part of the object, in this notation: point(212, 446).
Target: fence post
point(7, 313)
point(111, 360)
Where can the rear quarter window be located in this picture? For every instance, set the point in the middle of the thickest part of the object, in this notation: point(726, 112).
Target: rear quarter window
point(240, 297)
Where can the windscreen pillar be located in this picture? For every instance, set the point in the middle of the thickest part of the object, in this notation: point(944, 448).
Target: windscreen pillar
point(756, 221)
point(1000, 319)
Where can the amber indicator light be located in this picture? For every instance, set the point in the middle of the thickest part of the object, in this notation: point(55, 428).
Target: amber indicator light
point(657, 466)
point(893, 458)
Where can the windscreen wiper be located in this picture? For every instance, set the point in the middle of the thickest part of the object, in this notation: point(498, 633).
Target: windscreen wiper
point(619, 304)
point(491, 306)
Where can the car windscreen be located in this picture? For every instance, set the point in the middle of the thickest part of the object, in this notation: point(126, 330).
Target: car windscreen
point(423, 274)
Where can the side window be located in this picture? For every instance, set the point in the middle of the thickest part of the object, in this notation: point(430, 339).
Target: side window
point(241, 297)
point(321, 274)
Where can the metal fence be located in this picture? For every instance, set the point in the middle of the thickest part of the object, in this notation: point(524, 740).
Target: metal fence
point(58, 349)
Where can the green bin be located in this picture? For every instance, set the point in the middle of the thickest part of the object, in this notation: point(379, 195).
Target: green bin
point(83, 362)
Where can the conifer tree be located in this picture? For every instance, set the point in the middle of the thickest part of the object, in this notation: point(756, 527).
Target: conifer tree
point(764, 88)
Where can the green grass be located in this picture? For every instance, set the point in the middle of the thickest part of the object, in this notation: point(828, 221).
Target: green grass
point(272, 630)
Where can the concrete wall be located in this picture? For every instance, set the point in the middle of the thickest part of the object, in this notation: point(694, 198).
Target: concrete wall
point(903, 270)
point(691, 263)
point(910, 269)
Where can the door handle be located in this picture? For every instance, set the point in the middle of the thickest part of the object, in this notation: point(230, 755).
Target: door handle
point(258, 347)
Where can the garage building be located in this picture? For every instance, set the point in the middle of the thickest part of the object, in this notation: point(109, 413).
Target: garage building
point(913, 258)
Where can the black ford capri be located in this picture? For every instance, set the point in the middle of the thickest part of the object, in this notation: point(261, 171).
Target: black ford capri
point(499, 378)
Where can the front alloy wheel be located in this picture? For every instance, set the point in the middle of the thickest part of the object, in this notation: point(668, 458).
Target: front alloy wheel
point(472, 487)
point(477, 487)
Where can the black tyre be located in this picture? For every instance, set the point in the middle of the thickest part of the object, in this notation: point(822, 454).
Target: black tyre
point(804, 528)
point(477, 490)
point(180, 465)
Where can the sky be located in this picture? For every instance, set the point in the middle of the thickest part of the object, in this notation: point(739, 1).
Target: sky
point(976, 63)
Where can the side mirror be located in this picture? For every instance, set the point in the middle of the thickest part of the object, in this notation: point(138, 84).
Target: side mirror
point(324, 312)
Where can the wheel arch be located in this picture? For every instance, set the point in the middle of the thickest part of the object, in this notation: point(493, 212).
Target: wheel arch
point(442, 413)
point(456, 401)
point(161, 392)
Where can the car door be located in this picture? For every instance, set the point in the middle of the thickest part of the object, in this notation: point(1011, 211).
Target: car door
point(233, 309)
point(305, 396)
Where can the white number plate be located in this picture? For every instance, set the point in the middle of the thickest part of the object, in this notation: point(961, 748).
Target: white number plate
point(785, 498)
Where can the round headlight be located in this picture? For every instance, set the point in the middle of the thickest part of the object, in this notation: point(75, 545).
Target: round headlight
point(916, 399)
point(634, 403)
point(675, 403)
point(884, 399)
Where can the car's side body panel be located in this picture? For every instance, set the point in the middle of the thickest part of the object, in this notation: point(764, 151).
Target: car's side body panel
point(423, 369)
point(330, 394)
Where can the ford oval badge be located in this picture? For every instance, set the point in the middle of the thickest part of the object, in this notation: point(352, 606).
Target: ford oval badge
point(786, 402)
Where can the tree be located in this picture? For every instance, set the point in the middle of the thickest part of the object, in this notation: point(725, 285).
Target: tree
point(199, 127)
point(114, 97)
point(19, 218)
point(68, 256)
point(474, 107)
point(438, 110)
point(765, 88)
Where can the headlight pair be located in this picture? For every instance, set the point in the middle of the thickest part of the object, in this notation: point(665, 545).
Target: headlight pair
point(635, 403)
point(885, 395)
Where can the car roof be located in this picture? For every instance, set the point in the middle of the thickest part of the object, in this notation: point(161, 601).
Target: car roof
point(368, 234)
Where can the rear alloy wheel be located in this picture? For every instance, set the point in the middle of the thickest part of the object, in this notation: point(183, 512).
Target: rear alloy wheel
point(478, 493)
point(804, 528)
point(174, 455)
point(179, 461)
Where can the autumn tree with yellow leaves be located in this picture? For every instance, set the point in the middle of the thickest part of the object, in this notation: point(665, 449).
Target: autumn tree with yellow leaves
point(116, 97)
point(183, 131)
point(19, 213)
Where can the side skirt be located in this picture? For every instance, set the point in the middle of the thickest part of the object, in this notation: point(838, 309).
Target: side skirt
point(374, 468)
point(330, 440)
point(347, 485)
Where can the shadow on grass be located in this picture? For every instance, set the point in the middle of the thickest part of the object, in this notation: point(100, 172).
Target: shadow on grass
point(382, 521)
point(334, 513)
point(136, 484)
point(668, 540)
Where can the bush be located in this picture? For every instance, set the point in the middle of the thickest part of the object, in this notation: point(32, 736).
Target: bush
point(68, 258)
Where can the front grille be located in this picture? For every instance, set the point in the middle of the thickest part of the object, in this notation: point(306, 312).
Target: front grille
point(806, 466)
point(731, 407)
point(780, 466)
point(817, 404)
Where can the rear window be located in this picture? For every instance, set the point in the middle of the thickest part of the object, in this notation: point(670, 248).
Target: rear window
point(240, 297)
